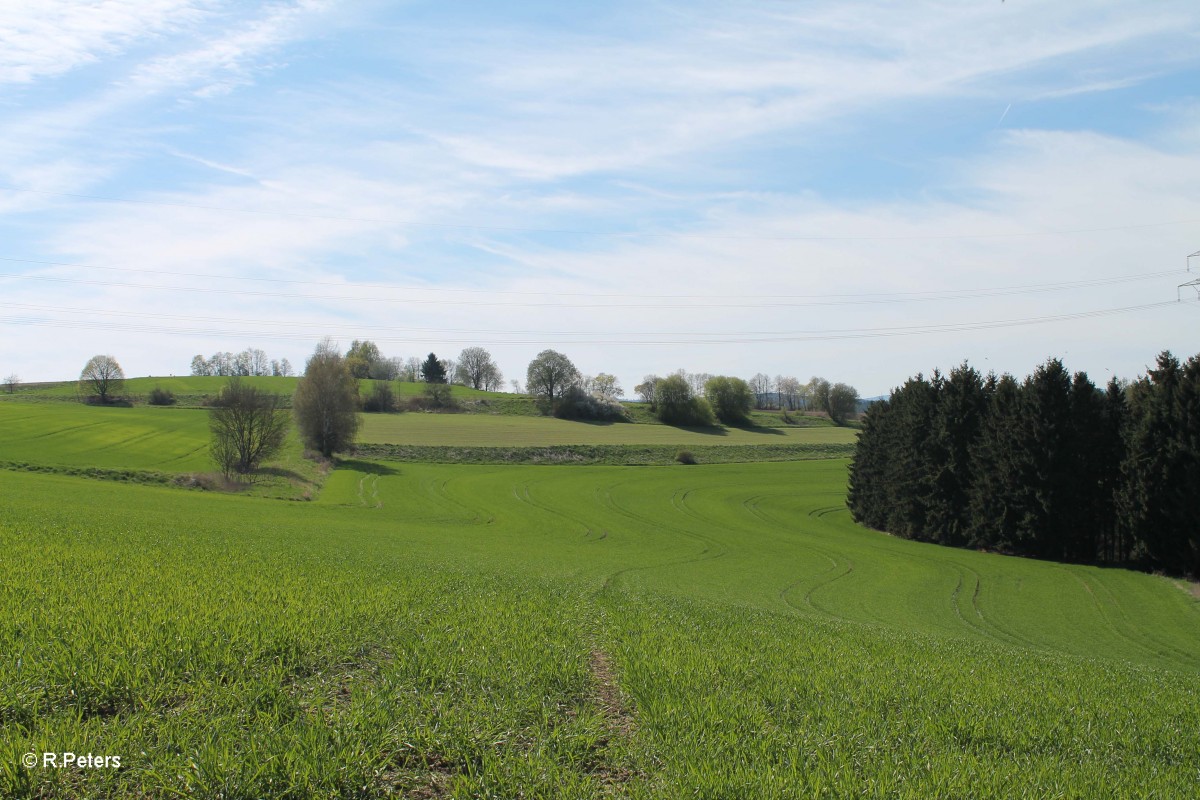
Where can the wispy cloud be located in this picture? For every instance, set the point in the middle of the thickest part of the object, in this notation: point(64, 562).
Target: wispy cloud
point(658, 150)
point(229, 58)
point(47, 38)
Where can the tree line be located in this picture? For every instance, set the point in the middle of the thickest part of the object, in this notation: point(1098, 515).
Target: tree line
point(249, 424)
point(249, 362)
point(1051, 467)
point(683, 395)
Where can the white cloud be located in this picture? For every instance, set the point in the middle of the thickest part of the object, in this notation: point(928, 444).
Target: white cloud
point(584, 103)
point(231, 57)
point(449, 164)
point(47, 38)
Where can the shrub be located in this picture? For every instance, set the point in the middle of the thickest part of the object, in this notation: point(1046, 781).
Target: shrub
point(382, 398)
point(161, 397)
point(438, 396)
point(685, 457)
point(578, 404)
point(730, 398)
point(677, 405)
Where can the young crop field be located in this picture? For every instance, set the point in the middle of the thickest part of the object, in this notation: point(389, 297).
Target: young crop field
point(495, 431)
point(438, 630)
point(191, 389)
point(170, 440)
point(141, 444)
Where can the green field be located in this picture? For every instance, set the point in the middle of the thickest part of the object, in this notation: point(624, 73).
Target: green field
point(458, 630)
point(171, 440)
point(143, 443)
point(496, 431)
point(138, 388)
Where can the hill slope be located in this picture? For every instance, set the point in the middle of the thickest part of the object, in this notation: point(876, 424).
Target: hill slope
point(570, 632)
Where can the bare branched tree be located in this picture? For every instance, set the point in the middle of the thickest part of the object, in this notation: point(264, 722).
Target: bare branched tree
point(101, 378)
point(248, 426)
point(477, 369)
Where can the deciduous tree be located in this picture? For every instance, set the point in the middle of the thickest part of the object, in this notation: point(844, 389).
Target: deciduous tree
point(645, 389)
point(248, 426)
point(102, 378)
point(842, 402)
point(477, 369)
point(675, 403)
point(730, 399)
point(550, 375)
point(326, 402)
point(607, 386)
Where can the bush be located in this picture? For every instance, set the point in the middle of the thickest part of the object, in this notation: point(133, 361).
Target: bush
point(685, 457)
point(730, 398)
point(382, 399)
point(438, 396)
point(161, 397)
point(677, 405)
point(578, 404)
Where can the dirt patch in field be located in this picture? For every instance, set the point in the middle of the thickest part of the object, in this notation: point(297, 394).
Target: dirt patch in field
point(618, 716)
point(608, 694)
point(428, 777)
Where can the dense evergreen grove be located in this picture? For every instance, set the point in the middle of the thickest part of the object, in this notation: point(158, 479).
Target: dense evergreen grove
point(1051, 467)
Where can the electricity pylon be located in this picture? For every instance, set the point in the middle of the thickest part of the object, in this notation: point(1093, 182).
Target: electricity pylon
point(1194, 284)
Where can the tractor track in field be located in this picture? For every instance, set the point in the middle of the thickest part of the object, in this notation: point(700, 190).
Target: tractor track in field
point(68, 429)
point(608, 499)
point(522, 493)
point(436, 491)
point(373, 500)
point(985, 627)
point(1123, 628)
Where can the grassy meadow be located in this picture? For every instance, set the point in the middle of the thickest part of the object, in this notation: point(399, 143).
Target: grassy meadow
point(501, 431)
point(466, 630)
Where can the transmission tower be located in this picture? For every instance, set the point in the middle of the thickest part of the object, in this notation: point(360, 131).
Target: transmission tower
point(1194, 284)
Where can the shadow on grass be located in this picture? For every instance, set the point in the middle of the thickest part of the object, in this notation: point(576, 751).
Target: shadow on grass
point(280, 472)
point(759, 429)
point(369, 467)
point(706, 430)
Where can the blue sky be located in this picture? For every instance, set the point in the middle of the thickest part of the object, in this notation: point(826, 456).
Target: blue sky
point(798, 189)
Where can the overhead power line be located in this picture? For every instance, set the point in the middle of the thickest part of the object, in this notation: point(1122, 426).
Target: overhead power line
point(654, 301)
point(951, 294)
point(580, 232)
point(644, 340)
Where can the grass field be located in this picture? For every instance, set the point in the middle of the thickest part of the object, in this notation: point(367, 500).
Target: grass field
point(139, 444)
point(193, 392)
point(488, 431)
point(430, 630)
point(462, 630)
point(171, 440)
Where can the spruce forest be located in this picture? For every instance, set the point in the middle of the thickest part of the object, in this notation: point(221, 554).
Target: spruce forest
point(1051, 467)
